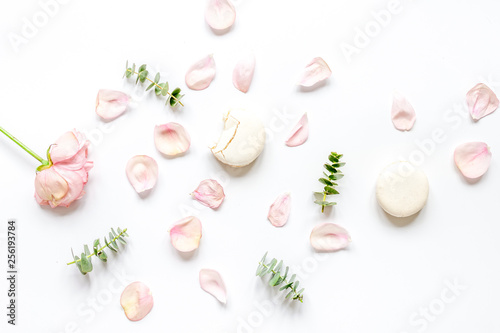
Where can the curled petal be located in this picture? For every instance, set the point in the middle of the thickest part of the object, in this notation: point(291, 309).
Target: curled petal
point(243, 73)
point(300, 133)
point(220, 14)
point(200, 75)
point(50, 187)
point(212, 283)
point(403, 115)
point(210, 193)
point(280, 210)
point(329, 237)
point(111, 103)
point(136, 300)
point(317, 70)
point(142, 172)
point(473, 159)
point(481, 101)
point(186, 234)
point(172, 139)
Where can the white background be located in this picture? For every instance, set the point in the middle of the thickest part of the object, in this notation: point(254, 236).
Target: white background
point(433, 52)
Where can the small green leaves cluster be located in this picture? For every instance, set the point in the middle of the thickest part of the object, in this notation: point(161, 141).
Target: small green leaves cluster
point(84, 262)
point(142, 73)
point(333, 175)
point(274, 268)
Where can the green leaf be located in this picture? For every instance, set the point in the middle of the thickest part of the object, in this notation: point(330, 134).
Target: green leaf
point(301, 291)
point(325, 181)
point(86, 265)
point(336, 176)
point(159, 88)
point(338, 165)
point(272, 264)
point(143, 76)
point(133, 68)
point(293, 278)
point(86, 249)
point(113, 241)
point(164, 90)
point(289, 294)
point(330, 190)
point(114, 232)
point(278, 267)
point(274, 280)
point(157, 78)
point(121, 240)
point(95, 251)
point(103, 256)
point(286, 286)
point(150, 86)
point(129, 73)
point(330, 168)
point(325, 203)
point(333, 159)
point(296, 285)
point(96, 242)
point(142, 68)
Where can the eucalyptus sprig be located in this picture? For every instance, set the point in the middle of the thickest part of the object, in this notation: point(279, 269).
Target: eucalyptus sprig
point(329, 180)
point(142, 73)
point(84, 262)
point(274, 268)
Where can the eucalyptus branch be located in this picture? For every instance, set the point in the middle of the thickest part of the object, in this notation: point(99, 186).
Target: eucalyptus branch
point(84, 262)
point(142, 73)
point(274, 268)
point(329, 183)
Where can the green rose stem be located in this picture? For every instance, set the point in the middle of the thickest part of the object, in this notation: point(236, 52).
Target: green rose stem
point(22, 145)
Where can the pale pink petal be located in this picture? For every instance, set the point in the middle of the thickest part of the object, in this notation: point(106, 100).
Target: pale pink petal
point(280, 210)
point(329, 237)
point(65, 147)
point(171, 139)
point(50, 187)
point(299, 133)
point(186, 234)
point(473, 159)
point(243, 73)
point(481, 101)
point(200, 75)
point(212, 283)
point(75, 183)
point(111, 103)
point(402, 114)
point(317, 70)
point(210, 193)
point(220, 14)
point(142, 172)
point(136, 300)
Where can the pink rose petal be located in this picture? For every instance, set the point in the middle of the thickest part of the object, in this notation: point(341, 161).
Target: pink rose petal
point(210, 193)
point(403, 115)
point(220, 14)
point(200, 75)
point(186, 234)
point(329, 237)
point(473, 159)
point(212, 283)
point(280, 210)
point(299, 133)
point(481, 101)
point(171, 139)
point(142, 172)
point(136, 300)
point(317, 70)
point(111, 103)
point(243, 73)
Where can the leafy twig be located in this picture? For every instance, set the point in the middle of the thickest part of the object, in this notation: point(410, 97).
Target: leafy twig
point(335, 174)
point(173, 98)
point(84, 262)
point(274, 268)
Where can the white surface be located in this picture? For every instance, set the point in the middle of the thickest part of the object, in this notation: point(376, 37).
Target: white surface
point(432, 51)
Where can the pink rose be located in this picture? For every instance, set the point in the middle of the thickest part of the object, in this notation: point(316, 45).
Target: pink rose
point(61, 182)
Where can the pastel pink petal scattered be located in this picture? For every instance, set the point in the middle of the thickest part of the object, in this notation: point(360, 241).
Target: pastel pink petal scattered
point(142, 172)
point(200, 75)
point(329, 237)
point(210, 193)
point(111, 103)
point(212, 283)
point(299, 133)
point(403, 115)
point(481, 101)
point(186, 234)
point(220, 14)
point(280, 210)
point(243, 73)
point(136, 300)
point(316, 71)
point(171, 139)
point(473, 159)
